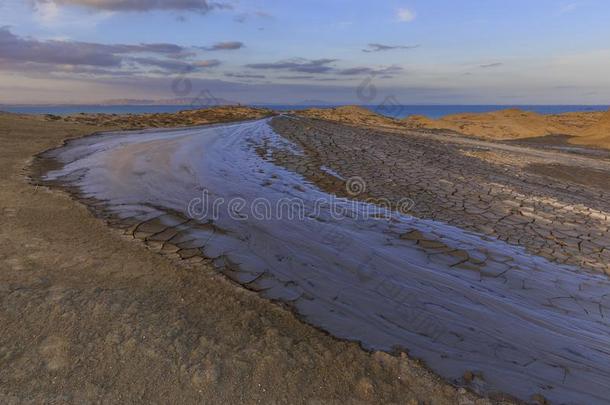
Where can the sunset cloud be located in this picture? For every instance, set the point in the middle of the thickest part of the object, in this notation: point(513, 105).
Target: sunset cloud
point(225, 46)
point(381, 47)
point(201, 6)
point(18, 53)
point(297, 65)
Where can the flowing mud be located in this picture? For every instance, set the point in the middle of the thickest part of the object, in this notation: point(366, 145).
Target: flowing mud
point(462, 302)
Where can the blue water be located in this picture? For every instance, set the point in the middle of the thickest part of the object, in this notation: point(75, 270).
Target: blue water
point(396, 111)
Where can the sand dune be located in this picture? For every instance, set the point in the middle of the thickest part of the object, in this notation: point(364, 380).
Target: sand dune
point(596, 135)
point(165, 120)
point(509, 124)
point(352, 115)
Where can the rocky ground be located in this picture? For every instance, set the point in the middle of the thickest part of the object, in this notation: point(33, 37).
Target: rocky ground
point(90, 315)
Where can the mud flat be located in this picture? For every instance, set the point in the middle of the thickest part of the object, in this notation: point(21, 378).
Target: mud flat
point(90, 316)
point(480, 308)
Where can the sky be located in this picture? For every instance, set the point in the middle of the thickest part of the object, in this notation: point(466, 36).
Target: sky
point(289, 52)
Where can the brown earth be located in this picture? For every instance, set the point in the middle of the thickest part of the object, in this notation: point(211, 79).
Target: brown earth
point(90, 316)
point(167, 120)
point(588, 128)
point(597, 135)
point(352, 115)
point(509, 124)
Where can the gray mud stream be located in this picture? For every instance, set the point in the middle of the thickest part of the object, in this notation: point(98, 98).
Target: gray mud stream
point(457, 300)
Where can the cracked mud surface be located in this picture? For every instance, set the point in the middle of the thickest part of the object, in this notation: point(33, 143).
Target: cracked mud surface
point(505, 191)
point(478, 310)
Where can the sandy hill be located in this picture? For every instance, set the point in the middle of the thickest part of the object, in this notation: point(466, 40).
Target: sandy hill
point(352, 115)
point(182, 118)
point(506, 124)
point(597, 134)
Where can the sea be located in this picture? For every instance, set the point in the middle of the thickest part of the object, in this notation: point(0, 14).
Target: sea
point(395, 111)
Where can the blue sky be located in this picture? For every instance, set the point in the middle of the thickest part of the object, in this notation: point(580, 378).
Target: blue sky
point(267, 51)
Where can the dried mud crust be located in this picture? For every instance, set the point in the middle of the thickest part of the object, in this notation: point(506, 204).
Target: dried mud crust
point(563, 221)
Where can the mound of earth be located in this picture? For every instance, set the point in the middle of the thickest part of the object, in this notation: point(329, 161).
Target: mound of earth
point(597, 134)
point(163, 120)
point(352, 115)
point(503, 124)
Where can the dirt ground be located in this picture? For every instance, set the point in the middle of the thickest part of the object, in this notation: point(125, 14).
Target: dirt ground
point(90, 316)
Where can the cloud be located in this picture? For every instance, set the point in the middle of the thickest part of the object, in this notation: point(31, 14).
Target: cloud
point(333, 79)
point(141, 87)
point(321, 66)
point(356, 71)
point(491, 65)
point(296, 77)
point(244, 17)
point(381, 47)
point(201, 6)
point(385, 72)
point(47, 12)
point(297, 65)
point(56, 52)
point(405, 15)
point(208, 63)
point(176, 66)
point(55, 56)
point(224, 46)
point(567, 8)
point(245, 76)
